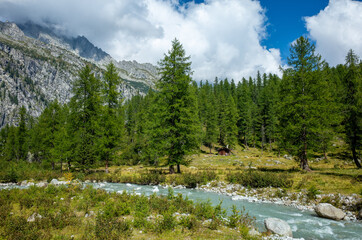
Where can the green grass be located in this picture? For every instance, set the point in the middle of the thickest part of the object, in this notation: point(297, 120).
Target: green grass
point(69, 212)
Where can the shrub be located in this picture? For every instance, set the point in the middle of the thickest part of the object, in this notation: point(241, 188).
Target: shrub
point(312, 192)
point(240, 218)
point(258, 179)
point(168, 221)
point(150, 178)
point(112, 228)
point(190, 180)
point(190, 222)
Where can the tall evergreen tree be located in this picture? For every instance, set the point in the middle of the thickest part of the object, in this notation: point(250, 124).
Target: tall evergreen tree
point(21, 136)
point(111, 119)
point(303, 102)
point(177, 107)
point(85, 107)
point(353, 104)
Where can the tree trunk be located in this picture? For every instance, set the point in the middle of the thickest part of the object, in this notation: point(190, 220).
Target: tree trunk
point(262, 137)
point(171, 169)
point(61, 166)
point(303, 159)
point(53, 166)
point(107, 166)
point(178, 168)
point(246, 143)
point(325, 155)
point(270, 145)
point(355, 158)
point(69, 165)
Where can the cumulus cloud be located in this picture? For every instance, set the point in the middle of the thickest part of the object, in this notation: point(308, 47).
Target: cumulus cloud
point(336, 29)
point(222, 36)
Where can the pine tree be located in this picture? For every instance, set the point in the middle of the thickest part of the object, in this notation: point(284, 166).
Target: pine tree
point(303, 101)
point(85, 108)
point(21, 135)
point(245, 105)
point(210, 119)
point(353, 104)
point(177, 107)
point(111, 119)
point(48, 126)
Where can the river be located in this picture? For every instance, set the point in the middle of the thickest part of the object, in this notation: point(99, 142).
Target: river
point(304, 224)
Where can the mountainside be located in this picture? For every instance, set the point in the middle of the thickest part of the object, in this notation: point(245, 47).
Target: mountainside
point(38, 66)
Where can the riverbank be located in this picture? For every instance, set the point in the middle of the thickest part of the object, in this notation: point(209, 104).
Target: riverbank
point(228, 191)
point(348, 203)
point(73, 210)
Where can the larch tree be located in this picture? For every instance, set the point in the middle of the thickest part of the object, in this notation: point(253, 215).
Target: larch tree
point(111, 115)
point(85, 107)
point(353, 104)
point(178, 124)
point(303, 101)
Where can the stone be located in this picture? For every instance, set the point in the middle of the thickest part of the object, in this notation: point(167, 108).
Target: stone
point(360, 214)
point(254, 233)
point(327, 210)
point(57, 182)
point(42, 184)
point(33, 217)
point(24, 183)
point(278, 226)
point(54, 182)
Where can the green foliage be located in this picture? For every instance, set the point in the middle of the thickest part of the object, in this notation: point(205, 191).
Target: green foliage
point(258, 179)
point(306, 106)
point(312, 192)
point(238, 218)
point(85, 108)
point(112, 228)
point(176, 127)
point(352, 104)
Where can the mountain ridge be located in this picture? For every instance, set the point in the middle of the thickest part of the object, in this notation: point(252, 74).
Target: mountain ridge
point(34, 72)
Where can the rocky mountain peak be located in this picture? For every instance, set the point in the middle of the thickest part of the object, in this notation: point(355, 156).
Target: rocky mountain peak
point(80, 44)
point(12, 30)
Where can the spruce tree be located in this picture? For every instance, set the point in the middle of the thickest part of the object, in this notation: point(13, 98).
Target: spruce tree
point(177, 107)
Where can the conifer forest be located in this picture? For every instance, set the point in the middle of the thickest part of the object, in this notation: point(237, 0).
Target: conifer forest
point(301, 112)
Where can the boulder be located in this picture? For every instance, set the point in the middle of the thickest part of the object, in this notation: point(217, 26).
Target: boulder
point(56, 182)
point(42, 184)
point(278, 226)
point(24, 183)
point(327, 210)
point(33, 217)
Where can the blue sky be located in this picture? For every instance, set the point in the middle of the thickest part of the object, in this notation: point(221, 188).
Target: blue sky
point(285, 21)
point(225, 38)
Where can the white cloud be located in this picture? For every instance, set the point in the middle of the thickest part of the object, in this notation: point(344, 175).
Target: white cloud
point(222, 36)
point(336, 29)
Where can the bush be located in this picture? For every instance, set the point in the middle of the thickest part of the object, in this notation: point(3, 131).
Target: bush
point(190, 222)
point(191, 180)
point(112, 228)
point(258, 179)
point(150, 178)
point(168, 221)
point(312, 192)
point(239, 218)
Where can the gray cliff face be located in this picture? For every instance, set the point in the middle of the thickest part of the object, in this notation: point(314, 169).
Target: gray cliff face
point(34, 72)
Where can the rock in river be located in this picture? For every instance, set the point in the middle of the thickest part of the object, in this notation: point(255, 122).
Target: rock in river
point(278, 226)
point(326, 210)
